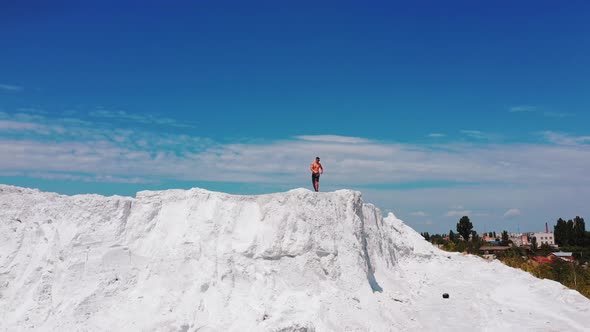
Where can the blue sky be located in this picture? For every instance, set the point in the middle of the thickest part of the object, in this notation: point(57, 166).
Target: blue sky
point(432, 111)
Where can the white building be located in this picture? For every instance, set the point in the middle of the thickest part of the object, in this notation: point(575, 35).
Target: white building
point(544, 238)
point(519, 239)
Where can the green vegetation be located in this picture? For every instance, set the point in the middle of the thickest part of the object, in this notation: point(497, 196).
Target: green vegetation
point(505, 238)
point(571, 236)
point(464, 227)
point(571, 233)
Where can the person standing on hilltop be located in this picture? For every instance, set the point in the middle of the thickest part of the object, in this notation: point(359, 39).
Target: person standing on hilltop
point(316, 169)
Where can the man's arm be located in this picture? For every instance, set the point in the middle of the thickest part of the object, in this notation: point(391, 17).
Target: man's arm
point(321, 169)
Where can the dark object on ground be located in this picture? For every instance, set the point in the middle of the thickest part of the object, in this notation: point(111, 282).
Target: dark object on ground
point(445, 296)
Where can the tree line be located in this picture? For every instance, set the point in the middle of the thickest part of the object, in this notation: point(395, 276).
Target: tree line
point(466, 235)
point(571, 233)
point(567, 234)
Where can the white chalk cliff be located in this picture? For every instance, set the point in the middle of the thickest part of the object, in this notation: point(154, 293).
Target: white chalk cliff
point(197, 260)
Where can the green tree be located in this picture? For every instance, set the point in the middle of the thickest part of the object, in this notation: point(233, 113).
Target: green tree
point(569, 232)
point(474, 237)
point(578, 231)
point(450, 246)
point(461, 246)
point(544, 271)
point(426, 236)
point(505, 238)
point(562, 271)
point(534, 243)
point(464, 227)
point(437, 239)
point(451, 236)
point(545, 249)
point(560, 232)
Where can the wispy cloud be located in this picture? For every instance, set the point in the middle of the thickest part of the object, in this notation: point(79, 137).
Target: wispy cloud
point(351, 161)
point(37, 127)
point(15, 125)
point(426, 223)
point(10, 88)
point(86, 178)
point(522, 108)
point(18, 126)
point(436, 135)
point(511, 213)
point(565, 139)
point(333, 139)
point(420, 214)
point(538, 111)
point(453, 214)
point(474, 134)
point(557, 114)
point(139, 118)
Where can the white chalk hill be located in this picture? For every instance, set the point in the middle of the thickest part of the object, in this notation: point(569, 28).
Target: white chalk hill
point(204, 261)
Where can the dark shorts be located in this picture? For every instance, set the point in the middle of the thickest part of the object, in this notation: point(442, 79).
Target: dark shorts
point(315, 176)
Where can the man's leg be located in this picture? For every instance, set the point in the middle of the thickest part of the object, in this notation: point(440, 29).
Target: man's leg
point(316, 183)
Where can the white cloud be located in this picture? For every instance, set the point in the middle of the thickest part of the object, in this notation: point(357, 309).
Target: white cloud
point(18, 126)
point(536, 110)
point(565, 139)
point(333, 139)
point(436, 135)
point(10, 88)
point(454, 213)
point(139, 118)
point(474, 134)
point(522, 108)
point(512, 213)
point(15, 125)
point(419, 214)
point(32, 110)
point(557, 114)
point(87, 178)
point(365, 162)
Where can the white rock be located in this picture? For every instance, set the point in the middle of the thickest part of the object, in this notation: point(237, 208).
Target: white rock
point(203, 261)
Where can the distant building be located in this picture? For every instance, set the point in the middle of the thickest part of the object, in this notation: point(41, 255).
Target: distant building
point(566, 256)
point(488, 238)
point(556, 256)
point(519, 239)
point(544, 238)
